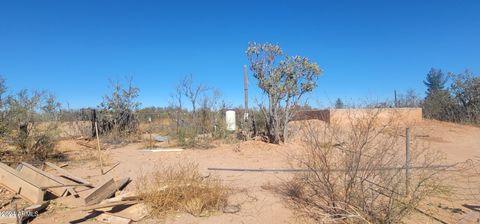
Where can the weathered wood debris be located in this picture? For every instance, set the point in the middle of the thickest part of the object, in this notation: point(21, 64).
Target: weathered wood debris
point(38, 187)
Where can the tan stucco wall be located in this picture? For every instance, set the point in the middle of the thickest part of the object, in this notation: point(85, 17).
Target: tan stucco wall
point(402, 115)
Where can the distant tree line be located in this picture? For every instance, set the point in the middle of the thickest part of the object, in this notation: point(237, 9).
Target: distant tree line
point(449, 97)
point(457, 102)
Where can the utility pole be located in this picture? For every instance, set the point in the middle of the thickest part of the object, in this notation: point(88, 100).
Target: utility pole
point(245, 83)
point(396, 102)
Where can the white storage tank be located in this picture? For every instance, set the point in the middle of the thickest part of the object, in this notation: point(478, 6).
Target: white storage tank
point(230, 117)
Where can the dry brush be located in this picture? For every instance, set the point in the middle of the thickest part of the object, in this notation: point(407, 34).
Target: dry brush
point(355, 172)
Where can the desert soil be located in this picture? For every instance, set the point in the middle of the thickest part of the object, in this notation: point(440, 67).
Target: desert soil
point(259, 204)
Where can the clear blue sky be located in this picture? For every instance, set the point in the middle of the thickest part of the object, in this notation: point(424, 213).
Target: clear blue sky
point(366, 48)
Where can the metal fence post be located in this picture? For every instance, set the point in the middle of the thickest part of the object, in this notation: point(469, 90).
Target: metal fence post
point(407, 162)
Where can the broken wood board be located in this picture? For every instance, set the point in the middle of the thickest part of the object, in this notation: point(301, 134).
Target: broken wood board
point(113, 167)
point(34, 210)
point(105, 191)
point(113, 219)
point(135, 212)
point(44, 167)
point(68, 174)
point(70, 202)
point(63, 186)
point(109, 205)
point(19, 184)
point(42, 178)
point(130, 196)
point(162, 150)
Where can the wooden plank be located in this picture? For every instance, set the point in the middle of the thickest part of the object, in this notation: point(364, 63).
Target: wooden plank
point(19, 184)
point(34, 210)
point(113, 167)
point(72, 192)
point(44, 168)
point(60, 182)
point(63, 186)
point(471, 217)
point(41, 178)
point(68, 174)
point(130, 196)
point(162, 150)
point(113, 219)
point(109, 205)
point(105, 191)
point(135, 212)
point(99, 148)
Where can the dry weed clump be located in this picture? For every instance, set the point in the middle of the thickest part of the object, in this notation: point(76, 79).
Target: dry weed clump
point(355, 173)
point(181, 188)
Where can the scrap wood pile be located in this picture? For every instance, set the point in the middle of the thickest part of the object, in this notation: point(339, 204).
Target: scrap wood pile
point(40, 186)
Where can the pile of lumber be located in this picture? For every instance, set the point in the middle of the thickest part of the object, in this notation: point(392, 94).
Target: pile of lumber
point(37, 186)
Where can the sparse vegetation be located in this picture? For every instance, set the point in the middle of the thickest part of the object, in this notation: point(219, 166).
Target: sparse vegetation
point(199, 125)
point(29, 121)
point(284, 80)
point(458, 103)
point(355, 173)
point(181, 188)
point(117, 118)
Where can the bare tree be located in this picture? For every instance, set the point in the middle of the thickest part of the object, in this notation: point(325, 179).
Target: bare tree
point(284, 80)
point(177, 104)
point(409, 99)
point(466, 91)
point(3, 114)
point(192, 91)
point(117, 114)
point(189, 126)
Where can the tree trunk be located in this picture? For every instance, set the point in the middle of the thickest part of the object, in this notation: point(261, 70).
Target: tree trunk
point(285, 127)
point(270, 122)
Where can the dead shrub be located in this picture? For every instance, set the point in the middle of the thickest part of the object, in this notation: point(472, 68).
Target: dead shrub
point(354, 172)
point(181, 188)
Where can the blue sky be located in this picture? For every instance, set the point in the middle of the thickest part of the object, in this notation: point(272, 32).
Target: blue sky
point(366, 48)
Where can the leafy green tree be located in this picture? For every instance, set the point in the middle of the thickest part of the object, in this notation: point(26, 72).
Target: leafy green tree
point(339, 104)
point(435, 81)
point(458, 103)
point(438, 98)
point(284, 80)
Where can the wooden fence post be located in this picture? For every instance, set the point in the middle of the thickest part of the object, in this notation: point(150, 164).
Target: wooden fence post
point(99, 148)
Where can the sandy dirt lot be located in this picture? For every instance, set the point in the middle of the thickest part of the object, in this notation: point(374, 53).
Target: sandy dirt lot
point(251, 190)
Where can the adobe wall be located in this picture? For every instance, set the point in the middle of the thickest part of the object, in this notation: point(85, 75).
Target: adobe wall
point(404, 115)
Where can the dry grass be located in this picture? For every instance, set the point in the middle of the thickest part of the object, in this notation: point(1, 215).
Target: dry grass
point(347, 180)
point(181, 188)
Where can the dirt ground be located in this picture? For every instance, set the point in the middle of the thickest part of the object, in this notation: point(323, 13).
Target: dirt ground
point(259, 204)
